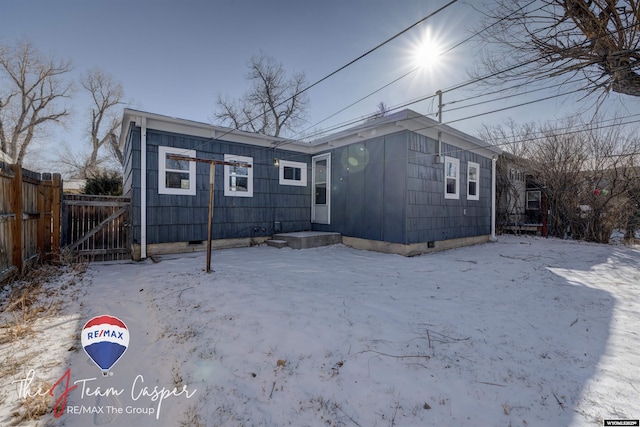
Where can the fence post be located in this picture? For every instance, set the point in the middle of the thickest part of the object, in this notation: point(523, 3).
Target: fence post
point(56, 213)
point(16, 207)
point(42, 234)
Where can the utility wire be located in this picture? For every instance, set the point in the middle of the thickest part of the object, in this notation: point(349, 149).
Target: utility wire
point(300, 92)
point(404, 105)
point(417, 68)
point(569, 131)
point(494, 74)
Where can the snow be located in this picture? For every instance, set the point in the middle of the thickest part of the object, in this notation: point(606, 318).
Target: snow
point(525, 331)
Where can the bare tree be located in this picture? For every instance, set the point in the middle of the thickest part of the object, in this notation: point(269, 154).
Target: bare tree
point(32, 88)
point(106, 95)
point(274, 103)
point(381, 110)
point(586, 175)
point(633, 201)
point(511, 170)
point(609, 182)
point(594, 44)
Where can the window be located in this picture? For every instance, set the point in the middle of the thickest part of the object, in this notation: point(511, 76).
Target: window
point(515, 175)
point(238, 180)
point(533, 200)
point(451, 174)
point(293, 173)
point(473, 181)
point(176, 176)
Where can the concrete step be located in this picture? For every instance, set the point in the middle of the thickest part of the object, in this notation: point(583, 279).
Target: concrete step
point(277, 243)
point(309, 239)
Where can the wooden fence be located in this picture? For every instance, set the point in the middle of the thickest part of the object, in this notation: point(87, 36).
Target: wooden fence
point(29, 217)
point(97, 227)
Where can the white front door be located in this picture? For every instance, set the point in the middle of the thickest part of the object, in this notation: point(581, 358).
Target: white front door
point(321, 189)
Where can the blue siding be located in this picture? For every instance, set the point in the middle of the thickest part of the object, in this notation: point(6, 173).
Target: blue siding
point(395, 186)
point(374, 196)
point(388, 188)
point(398, 196)
point(131, 178)
point(354, 163)
point(182, 218)
point(367, 189)
point(430, 216)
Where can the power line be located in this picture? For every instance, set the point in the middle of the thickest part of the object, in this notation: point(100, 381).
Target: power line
point(569, 131)
point(359, 100)
point(406, 104)
point(415, 69)
point(300, 92)
point(494, 74)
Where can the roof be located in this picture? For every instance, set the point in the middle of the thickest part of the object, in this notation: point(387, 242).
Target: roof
point(402, 120)
point(202, 130)
point(413, 121)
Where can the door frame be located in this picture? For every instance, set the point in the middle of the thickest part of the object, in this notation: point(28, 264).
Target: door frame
point(314, 160)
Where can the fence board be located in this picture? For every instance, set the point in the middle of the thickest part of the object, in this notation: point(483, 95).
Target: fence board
point(29, 220)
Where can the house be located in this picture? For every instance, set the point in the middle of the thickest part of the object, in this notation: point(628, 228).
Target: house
point(74, 185)
point(402, 183)
point(521, 201)
point(5, 158)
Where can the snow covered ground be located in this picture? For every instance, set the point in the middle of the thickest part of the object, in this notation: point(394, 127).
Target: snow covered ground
point(522, 332)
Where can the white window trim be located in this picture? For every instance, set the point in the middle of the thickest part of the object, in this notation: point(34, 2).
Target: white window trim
point(227, 173)
point(477, 180)
point(297, 165)
point(455, 195)
point(538, 193)
point(162, 171)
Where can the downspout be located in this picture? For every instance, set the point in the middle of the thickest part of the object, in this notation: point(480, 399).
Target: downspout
point(493, 237)
point(439, 158)
point(143, 188)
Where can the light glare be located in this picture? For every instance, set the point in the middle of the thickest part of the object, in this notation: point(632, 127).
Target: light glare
point(427, 51)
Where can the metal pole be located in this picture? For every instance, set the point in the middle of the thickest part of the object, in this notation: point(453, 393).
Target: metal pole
point(493, 237)
point(212, 164)
point(210, 221)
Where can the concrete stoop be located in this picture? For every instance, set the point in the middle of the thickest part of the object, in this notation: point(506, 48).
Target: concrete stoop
point(305, 239)
point(277, 243)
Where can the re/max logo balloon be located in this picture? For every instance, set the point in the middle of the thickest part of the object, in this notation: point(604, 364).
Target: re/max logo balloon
point(105, 339)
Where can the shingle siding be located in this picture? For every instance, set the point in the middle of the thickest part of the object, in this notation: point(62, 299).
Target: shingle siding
point(389, 188)
point(183, 218)
point(368, 198)
point(431, 216)
point(399, 196)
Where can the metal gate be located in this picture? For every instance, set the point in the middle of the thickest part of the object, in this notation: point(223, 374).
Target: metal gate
point(97, 227)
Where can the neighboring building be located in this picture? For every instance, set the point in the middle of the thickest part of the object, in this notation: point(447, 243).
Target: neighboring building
point(388, 185)
point(521, 201)
point(5, 158)
point(74, 185)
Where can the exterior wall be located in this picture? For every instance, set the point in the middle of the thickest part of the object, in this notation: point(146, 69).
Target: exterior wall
point(368, 189)
point(511, 203)
point(183, 218)
point(387, 187)
point(131, 179)
point(399, 196)
point(431, 217)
